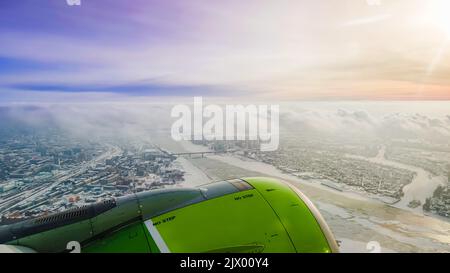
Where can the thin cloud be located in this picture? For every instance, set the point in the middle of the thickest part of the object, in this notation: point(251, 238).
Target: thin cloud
point(365, 21)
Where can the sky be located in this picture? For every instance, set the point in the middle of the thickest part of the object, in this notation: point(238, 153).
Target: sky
point(287, 50)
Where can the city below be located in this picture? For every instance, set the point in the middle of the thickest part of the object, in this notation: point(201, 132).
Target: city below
point(46, 173)
point(41, 174)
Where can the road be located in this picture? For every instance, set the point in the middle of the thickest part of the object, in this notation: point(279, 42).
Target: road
point(41, 190)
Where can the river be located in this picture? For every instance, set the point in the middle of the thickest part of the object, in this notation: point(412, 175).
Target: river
point(421, 187)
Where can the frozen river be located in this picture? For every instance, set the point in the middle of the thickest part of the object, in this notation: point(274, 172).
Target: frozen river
point(422, 186)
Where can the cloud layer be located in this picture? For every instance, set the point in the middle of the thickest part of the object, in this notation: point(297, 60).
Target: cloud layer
point(368, 122)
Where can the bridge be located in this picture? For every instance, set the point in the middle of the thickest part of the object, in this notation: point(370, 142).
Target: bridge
point(190, 154)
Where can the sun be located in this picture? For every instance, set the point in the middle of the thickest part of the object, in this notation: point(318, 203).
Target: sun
point(439, 13)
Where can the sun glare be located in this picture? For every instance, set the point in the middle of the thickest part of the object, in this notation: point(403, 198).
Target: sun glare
point(440, 15)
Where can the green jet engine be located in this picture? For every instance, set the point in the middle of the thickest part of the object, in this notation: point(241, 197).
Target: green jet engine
point(249, 215)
